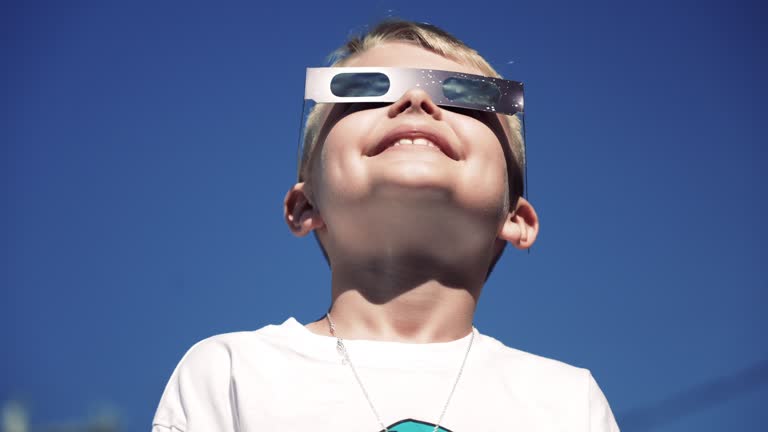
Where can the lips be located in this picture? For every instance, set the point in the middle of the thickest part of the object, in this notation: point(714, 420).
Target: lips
point(413, 135)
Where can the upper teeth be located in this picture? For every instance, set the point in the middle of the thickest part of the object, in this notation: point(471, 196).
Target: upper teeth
point(417, 141)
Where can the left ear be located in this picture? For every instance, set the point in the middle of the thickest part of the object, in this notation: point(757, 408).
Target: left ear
point(522, 225)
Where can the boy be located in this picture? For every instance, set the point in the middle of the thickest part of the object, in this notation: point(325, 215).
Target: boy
point(412, 199)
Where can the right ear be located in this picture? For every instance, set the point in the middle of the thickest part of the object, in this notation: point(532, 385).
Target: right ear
point(301, 216)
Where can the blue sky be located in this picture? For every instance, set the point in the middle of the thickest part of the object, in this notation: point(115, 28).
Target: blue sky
point(147, 149)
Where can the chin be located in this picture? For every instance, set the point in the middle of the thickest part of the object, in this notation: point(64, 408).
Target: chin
point(415, 181)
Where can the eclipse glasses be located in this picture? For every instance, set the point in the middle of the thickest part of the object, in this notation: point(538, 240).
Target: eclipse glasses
point(387, 84)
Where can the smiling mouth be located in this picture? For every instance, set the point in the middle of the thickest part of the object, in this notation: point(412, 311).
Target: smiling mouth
point(417, 140)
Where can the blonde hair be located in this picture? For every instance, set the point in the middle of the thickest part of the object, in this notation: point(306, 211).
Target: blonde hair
point(433, 39)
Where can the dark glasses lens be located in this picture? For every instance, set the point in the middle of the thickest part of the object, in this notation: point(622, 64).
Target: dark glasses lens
point(359, 84)
point(471, 91)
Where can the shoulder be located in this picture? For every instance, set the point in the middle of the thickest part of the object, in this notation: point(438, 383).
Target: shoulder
point(532, 365)
point(199, 392)
point(220, 352)
point(554, 385)
point(216, 350)
point(199, 386)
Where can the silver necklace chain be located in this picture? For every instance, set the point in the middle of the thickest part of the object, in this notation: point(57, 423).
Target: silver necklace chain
point(342, 350)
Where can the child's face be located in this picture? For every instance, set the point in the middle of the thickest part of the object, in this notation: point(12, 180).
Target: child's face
point(458, 184)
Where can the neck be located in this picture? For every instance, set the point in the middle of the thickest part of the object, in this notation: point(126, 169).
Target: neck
point(421, 302)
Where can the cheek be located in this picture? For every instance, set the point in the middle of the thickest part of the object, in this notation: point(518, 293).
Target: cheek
point(486, 183)
point(337, 169)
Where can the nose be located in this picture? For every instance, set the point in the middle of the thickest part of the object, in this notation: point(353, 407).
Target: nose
point(418, 101)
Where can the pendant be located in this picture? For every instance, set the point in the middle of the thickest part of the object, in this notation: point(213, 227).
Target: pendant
point(411, 425)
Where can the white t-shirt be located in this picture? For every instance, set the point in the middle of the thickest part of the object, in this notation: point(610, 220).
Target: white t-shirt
point(286, 378)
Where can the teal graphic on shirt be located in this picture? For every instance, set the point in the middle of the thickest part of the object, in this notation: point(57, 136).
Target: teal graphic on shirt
point(410, 425)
